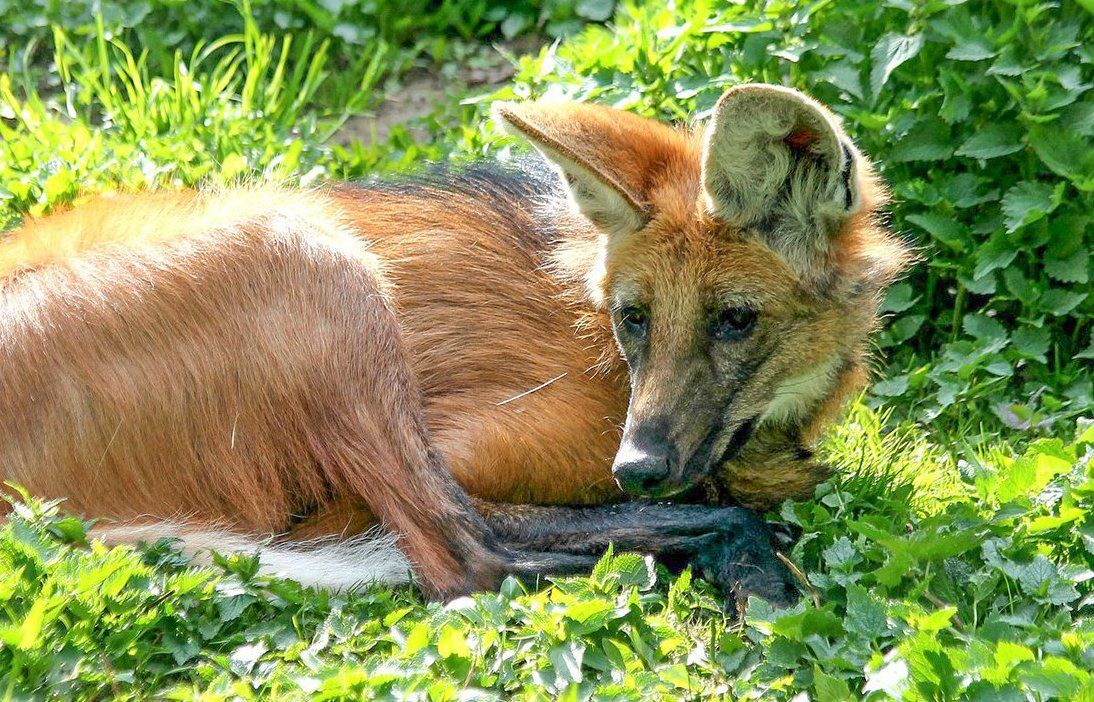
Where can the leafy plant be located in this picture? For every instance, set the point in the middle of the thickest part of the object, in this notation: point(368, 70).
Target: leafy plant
point(162, 26)
point(975, 593)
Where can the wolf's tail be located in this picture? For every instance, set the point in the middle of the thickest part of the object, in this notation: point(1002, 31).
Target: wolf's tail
point(328, 563)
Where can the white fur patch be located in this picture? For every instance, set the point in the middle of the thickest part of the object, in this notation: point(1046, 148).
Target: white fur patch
point(795, 396)
point(329, 563)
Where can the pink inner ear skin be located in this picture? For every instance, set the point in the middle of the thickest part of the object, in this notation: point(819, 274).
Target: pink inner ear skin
point(801, 140)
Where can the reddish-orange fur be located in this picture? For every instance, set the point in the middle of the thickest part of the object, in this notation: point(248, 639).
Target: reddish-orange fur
point(262, 356)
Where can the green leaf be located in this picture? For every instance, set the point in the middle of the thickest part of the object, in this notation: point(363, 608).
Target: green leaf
point(933, 546)
point(1009, 63)
point(1031, 342)
point(1021, 287)
point(1027, 202)
point(828, 688)
point(927, 141)
point(889, 677)
point(956, 103)
point(244, 658)
point(592, 614)
point(452, 642)
point(1061, 302)
point(974, 48)
point(899, 298)
point(798, 626)
point(984, 328)
point(676, 675)
point(866, 615)
point(233, 166)
point(595, 10)
point(1067, 233)
point(841, 554)
point(1073, 269)
point(515, 23)
point(417, 639)
point(843, 75)
point(984, 285)
point(635, 570)
point(1008, 654)
point(997, 253)
point(786, 653)
point(965, 190)
point(27, 634)
point(992, 141)
point(1053, 677)
point(937, 620)
point(888, 54)
point(1040, 570)
point(906, 327)
point(742, 26)
point(944, 228)
point(1065, 153)
point(891, 387)
point(566, 661)
point(59, 184)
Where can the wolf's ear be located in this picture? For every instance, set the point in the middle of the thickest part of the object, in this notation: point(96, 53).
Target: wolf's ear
point(776, 161)
point(604, 154)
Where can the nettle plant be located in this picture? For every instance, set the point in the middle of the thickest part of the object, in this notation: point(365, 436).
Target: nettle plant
point(980, 116)
point(161, 26)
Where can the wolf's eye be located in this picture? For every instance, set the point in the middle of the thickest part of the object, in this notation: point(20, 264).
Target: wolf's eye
point(733, 324)
point(635, 320)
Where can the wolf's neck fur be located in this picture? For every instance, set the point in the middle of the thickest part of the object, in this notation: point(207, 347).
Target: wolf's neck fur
point(573, 261)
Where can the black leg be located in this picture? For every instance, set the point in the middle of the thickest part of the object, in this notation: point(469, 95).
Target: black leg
point(730, 546)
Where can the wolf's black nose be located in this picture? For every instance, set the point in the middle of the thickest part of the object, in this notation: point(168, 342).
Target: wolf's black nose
point(644, 465)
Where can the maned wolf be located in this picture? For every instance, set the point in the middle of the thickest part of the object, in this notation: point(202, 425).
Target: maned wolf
point(485, 361)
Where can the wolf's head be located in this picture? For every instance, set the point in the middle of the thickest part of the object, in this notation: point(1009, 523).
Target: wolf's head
point(741, 263)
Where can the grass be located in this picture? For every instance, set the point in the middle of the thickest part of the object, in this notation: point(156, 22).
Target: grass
point(951, 557)
point(930, 579)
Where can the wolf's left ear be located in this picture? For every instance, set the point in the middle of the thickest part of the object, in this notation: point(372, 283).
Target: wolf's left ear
point(775, 161)
point(605, 155)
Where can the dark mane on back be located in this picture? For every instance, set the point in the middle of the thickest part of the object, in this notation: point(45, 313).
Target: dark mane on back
point(521, 190)
point(525, 178)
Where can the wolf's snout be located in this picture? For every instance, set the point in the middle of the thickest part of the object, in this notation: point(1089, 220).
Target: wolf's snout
point(645, 464)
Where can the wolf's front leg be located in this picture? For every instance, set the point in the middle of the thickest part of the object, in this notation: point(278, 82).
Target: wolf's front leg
point(730, 546)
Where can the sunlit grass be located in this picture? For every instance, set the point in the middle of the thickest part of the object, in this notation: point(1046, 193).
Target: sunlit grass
point(241, 107)
point(911, 588)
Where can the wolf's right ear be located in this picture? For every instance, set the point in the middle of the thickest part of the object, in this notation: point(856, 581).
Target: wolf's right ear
point(604, 155)
point(776, 161)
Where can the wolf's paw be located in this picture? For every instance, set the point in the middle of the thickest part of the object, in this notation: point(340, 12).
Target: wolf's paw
point(744, 563)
